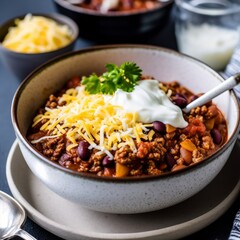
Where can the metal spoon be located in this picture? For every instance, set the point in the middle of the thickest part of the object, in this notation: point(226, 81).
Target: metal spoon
point(12, 216)
point(226, 85)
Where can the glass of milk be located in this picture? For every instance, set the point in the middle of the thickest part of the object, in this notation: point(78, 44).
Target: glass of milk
point(208, 30)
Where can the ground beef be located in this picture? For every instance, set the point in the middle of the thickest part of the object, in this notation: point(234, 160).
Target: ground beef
point(164, 153)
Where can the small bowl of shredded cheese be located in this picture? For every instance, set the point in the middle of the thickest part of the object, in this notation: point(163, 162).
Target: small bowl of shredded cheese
point(28, 41)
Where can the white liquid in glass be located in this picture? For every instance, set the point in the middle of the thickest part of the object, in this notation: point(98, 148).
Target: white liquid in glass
point(208, 43)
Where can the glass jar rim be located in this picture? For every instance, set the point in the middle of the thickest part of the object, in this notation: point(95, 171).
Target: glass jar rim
point(193, 6)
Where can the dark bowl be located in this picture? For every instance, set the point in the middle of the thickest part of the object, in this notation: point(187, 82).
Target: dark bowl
point(116, 26)
point(21, 64)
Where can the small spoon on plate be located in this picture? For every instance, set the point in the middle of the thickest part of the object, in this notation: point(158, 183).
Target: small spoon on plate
point(226, 85)
point(12, 216)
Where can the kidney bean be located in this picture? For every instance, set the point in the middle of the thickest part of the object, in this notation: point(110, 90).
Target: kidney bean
point(181, 95)
point(83, 151)
point(107, 162)
point(65, 157)
point(193, 97)
point(180, 101)
point(159, 127)
point(170, 160)
point(216, 135)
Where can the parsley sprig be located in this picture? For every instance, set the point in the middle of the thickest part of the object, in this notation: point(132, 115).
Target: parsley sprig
point(124, 77)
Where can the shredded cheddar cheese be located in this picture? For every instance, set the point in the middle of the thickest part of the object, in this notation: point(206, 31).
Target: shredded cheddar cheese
point(36, 34)
point(92, 117)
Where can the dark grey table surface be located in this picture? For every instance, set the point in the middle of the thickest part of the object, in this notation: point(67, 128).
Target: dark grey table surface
point(219, 230)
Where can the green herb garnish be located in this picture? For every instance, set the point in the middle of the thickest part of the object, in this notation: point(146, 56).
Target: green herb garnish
point(124, 77)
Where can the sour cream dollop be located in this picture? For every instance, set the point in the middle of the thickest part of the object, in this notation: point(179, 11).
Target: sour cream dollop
point(151, 104)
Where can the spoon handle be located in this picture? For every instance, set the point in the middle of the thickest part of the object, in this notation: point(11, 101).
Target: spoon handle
point(226, 85)
point(24, 235)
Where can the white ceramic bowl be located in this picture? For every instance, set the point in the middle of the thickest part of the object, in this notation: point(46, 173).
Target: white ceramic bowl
point(122, 195)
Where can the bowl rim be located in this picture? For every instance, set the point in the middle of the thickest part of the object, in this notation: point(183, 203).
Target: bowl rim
point(193, 7)
point(132, 179)
point(78, 9)
point(57, 17)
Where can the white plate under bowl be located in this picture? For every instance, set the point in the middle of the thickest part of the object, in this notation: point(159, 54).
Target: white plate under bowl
point(70, 221)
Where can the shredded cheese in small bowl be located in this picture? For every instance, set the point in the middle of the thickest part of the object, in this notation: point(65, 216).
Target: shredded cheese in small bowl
point(37, 34)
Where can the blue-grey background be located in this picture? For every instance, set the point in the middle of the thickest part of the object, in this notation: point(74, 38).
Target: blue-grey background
point(219, 230)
